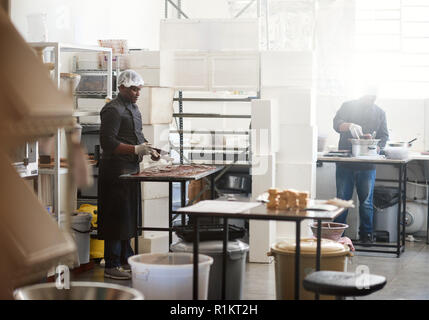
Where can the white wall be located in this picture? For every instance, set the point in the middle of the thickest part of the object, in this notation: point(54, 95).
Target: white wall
point(405, 119)
point(84, 22)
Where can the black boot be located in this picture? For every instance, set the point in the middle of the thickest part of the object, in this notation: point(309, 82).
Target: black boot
point(366, 239)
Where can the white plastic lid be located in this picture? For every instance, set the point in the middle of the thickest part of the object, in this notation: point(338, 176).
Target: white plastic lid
point(215, 246)
point(309, 246)
point(168, 260)
point(77, 217)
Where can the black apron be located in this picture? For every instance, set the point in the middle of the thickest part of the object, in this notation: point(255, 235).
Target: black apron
point(119, 201)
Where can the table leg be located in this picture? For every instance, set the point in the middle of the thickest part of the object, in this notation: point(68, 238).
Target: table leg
point(225, 256)
point(404, 207)
point(195, 269)
point(297, 258)
point(318, 249)
point(183, 199)
point(170, 214)
point(138, 224)
point(427, 219)
point(212, 185)
point(398, 220)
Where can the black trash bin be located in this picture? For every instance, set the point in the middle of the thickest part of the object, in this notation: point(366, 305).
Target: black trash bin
point(386, 200)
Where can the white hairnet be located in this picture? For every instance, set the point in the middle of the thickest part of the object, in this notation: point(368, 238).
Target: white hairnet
point(130, 78)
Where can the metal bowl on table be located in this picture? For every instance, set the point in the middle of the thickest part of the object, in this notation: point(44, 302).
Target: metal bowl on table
point(79, 290)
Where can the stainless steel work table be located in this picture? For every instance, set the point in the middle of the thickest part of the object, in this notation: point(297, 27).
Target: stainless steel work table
point(260, 212)
point(165, 176)
point(402, 189)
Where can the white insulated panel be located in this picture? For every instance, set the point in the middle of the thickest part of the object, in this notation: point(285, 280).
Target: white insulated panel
point(154, 190)
point(300, 176)
point(151, 76)
point(184, 34)
point(298, 144)
point(263, 173)
point(143, 59)
point(210, 71)
point(209, 34)
point(157, 135)
point(156, 105)
point(265, 127)
point(185, 70)
point(261, 235)
point(286, 68)
point(155, 212)
point(296, 106)
point(234, 71)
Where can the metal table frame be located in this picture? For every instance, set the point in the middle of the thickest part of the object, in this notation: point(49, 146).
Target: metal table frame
point(260, 213)
point(170, 179)
point(402, 189)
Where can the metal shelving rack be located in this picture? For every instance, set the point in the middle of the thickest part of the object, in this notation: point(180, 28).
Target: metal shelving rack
point(97, 72)
point(87, 94)
point(213, 148)
point(58, 48)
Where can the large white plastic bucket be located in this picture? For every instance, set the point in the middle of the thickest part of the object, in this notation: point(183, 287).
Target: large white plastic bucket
point(169, 276)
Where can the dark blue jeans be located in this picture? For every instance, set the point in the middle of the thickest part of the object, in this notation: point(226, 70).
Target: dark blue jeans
point(117, 252)
point(346, 179)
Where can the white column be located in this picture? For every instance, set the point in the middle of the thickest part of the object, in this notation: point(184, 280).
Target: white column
point(265, 144)
point(288, 77)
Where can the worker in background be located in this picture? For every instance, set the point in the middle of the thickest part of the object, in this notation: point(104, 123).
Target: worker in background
point(123, 146)
point(359, 119)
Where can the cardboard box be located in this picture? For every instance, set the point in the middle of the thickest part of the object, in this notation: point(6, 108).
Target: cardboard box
point(153, 242)
point(30, 240)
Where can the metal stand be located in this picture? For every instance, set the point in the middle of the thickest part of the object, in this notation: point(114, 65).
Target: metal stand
point(402, 189)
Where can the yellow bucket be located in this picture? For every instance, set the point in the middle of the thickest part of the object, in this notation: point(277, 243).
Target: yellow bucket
point(96, 247)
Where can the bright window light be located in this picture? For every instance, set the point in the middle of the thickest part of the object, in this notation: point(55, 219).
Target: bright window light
point(392, 47)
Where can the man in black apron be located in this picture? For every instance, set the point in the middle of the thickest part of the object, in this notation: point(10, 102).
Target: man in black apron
point(123, 146)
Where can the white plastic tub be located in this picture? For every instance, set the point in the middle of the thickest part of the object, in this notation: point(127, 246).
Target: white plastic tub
point(168, 276)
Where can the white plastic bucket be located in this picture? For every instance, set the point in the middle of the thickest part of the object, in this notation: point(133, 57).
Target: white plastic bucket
point(169, 276)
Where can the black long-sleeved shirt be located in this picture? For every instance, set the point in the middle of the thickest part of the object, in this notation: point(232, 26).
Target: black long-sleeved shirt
point(369, 116)
point(121, 122)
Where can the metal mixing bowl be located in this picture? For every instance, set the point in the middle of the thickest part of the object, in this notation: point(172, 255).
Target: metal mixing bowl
point(77, 291)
